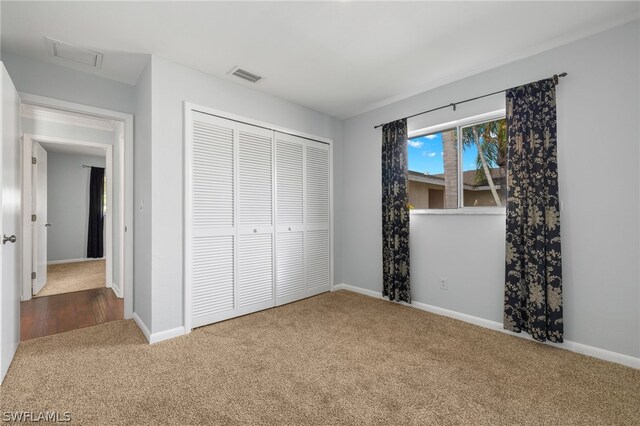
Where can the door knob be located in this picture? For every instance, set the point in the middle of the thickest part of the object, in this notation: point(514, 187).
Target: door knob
point(11, 239)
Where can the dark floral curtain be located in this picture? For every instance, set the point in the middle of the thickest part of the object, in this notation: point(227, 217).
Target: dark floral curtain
point(395, 212)
point(533, 289)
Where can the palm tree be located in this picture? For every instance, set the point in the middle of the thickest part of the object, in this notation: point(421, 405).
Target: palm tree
point(490, 139)
point(450, 161)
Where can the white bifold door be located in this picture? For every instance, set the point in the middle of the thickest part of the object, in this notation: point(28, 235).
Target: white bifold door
point(302, 239)
point(258, 218)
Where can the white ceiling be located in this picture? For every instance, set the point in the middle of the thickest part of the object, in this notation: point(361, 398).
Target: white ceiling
point(340, 58)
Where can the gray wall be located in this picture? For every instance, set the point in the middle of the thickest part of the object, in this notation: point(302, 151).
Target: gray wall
point(53, 81)
point(142, 198)
point(173, 84)
point(598, 153)
point(68, 204)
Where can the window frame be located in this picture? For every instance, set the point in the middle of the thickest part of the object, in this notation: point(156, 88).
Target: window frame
point(458, 125)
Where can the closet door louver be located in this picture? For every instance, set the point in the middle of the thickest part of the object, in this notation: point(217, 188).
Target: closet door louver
point(255, 219)
point(213, 219)
point(290, 275)
point(317, 244)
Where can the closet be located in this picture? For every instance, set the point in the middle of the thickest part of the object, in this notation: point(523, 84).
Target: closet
point(258, 214)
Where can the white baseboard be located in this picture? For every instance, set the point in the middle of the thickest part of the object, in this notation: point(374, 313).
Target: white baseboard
point(160, 336)
point(576, 347)
point(166, 335)
point(142, 326)
point(116, 290)
point(370, 293)
point(83, 259)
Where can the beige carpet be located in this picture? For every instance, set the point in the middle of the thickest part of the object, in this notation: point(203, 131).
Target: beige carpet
point(337, 358)
point(76, 276)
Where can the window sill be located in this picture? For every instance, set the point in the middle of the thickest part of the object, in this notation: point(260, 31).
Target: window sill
point(497, 211)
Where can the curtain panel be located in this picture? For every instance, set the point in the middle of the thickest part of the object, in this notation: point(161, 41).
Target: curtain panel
point(533, 288)
point(95, 243)
point(395, 212)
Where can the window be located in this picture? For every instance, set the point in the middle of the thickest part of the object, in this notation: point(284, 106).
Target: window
point(459, 165)
point(433, 170)
point(484, 164)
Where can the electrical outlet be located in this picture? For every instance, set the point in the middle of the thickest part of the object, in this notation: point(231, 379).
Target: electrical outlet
point(444, 284)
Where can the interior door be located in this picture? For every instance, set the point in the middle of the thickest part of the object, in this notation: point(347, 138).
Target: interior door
point(10, 222)
point(317, 212)
point(40, 225)
point(213, 241)
point(290, 274)
point(255, 219)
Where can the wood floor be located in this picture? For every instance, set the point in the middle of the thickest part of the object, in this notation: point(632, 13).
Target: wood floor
point(47, 315)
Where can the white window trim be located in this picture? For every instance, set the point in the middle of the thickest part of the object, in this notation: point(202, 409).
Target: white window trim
point(463, 122)
point(496, 211)
point(458, 124)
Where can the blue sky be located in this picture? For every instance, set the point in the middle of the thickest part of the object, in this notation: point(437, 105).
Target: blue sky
point(425, 155)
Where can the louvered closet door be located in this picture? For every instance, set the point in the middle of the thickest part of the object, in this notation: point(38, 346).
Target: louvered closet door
point(213, 224)
point(255, 219)
point(290, 274)
point(317, 211)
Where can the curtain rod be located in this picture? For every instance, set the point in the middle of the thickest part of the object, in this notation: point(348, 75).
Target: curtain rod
point(454, 104)
point(84, 166)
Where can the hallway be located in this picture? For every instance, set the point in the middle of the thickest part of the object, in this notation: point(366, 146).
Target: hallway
point(42, 316)
point(73, 277)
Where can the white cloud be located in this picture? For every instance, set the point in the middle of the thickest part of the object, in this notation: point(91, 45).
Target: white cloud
point(415, 144)
point(429, 154)
point(431, 136)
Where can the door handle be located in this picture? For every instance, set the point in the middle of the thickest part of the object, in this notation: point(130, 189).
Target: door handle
point(47, 225)
point(11, 239)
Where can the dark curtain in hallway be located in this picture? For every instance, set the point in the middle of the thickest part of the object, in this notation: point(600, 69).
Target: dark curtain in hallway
point(95, 244)
point(395, 212)
point(533, 288)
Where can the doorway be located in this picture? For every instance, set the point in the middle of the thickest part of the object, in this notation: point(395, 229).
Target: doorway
point(78, 244)
point(71, 218)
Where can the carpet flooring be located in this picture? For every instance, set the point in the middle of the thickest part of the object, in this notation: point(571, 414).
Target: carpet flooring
point(337, 358)
point(76, 276)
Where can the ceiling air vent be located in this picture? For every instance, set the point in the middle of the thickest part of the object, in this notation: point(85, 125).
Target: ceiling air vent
point(245, 75)
point(73, 53)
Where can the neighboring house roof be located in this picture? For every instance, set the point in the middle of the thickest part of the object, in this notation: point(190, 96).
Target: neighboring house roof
point(468, 177)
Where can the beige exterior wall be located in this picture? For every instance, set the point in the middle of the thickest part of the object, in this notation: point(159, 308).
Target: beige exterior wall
point(425, 196)
point(428, 196)
point(436, 198)
point(418, 195)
